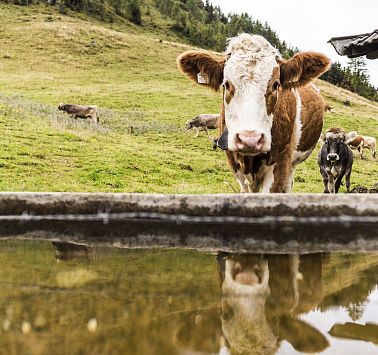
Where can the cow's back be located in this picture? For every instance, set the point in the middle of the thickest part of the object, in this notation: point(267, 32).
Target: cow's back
point(356, 142)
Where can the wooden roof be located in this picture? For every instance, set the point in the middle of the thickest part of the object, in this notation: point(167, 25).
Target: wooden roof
point(357, 45)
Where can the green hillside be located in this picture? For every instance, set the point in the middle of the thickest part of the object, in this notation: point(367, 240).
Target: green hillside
point(130, 73)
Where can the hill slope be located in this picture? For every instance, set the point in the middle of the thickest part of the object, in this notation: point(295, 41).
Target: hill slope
point(130, 73)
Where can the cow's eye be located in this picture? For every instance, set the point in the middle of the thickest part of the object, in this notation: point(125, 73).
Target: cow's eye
point(276, 85)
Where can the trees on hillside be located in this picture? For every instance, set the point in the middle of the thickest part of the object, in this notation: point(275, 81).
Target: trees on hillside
point(354, 77)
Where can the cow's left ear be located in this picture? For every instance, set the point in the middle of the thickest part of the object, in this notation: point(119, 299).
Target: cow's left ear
point(302, 68)
point(202, 68)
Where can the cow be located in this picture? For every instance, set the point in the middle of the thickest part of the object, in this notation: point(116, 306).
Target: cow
point(262, 300)
point(271, 116)
point(203, 122)
point(357, 143)
point(361, 142)
point(328, 108)
point(370, 143)
point(79, 111)
point(335, 159)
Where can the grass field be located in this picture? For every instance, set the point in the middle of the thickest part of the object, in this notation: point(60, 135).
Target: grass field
point(131, 74)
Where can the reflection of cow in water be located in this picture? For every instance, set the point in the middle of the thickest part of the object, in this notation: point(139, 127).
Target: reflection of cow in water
point(261, 299)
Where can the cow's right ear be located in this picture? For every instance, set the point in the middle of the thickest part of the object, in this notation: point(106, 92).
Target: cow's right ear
point(202, 68)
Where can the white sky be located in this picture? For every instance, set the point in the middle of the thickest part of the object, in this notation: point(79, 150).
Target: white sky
point(308, 25)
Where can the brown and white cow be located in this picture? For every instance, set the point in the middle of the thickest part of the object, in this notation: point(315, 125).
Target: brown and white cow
point(361, 142)
point(272, 116)
point(79, 111)
point(204, 122)
point(370, 143)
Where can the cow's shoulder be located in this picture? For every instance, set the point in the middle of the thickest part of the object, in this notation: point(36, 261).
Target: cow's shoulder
point(311, 116)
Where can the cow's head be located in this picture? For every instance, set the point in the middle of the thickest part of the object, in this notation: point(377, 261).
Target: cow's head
point(334, 141)
point(252, 74)
point(244, 282)
point(188, 125)
point(61, 106)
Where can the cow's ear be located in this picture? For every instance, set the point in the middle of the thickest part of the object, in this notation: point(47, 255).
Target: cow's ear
point(322, 137)
point(302, 68)
point(202, 68)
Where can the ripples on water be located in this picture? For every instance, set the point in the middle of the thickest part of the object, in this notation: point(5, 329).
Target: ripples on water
point(59, 298)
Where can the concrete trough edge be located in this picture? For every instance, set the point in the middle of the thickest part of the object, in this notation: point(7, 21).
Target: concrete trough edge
point(235, 222)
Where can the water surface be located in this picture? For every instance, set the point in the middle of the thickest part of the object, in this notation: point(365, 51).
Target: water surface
point(58, 298)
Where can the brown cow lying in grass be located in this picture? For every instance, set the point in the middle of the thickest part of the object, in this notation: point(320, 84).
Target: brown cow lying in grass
point(272, 115)
point(79, 111)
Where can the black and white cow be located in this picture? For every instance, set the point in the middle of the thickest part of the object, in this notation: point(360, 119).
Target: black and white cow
point(335, 159)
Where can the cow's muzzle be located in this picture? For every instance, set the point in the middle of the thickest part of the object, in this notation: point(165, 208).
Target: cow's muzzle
point(333, 157)
point(249, 141)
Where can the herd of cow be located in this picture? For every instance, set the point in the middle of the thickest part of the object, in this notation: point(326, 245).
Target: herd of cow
point(271, 115)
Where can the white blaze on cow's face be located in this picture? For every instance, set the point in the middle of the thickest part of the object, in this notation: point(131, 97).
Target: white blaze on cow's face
point(249, 73)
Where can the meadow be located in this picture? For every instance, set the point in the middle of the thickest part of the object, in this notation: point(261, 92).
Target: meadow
point(140, 145)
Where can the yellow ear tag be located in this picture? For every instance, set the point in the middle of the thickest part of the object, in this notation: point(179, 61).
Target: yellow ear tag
point(202, 78)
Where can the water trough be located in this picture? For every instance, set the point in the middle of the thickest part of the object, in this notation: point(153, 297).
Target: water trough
point(238, 222)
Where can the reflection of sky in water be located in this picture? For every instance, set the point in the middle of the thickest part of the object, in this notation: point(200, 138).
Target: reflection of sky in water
point(323, 321)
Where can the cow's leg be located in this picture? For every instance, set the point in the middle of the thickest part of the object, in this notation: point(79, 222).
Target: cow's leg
point(338, 182)
point(360, 149)
point(241, 180)
point(277, 176)
point(207, 132)
point(331, 184)
point(196, 129)
point(324, 175)
point(347, 180)
point(290, 182)
point(254, 185)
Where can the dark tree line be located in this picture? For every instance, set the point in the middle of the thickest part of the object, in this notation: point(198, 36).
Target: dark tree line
point(354, 78)
point(207, 26)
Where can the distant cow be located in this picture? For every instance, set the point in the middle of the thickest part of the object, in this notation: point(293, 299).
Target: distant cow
point(271, 118)
point(361, 142)
point(335, 159)
point(328, 108)
point(357, 143)
point(203, 122)
point(79, 111)
point(370, 143)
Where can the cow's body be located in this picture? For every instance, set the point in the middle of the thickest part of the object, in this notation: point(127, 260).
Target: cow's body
point(294, 137)
point(203, 122)
point(357, 143)
point(335, 160)
point(79, 111)
point(272, 115)
point(361, 142)
point(261, 299)
point(370, 143)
